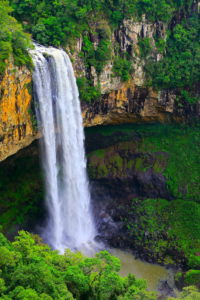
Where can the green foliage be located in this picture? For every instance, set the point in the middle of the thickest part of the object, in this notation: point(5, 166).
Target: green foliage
point(160, 9)
point(180, 66)
point(87, 91)
point(160, 44)
point(5, 51)
point(122, 68)
point(21, 192)
point(181, 171)
point(178, 218)
point(12, 40)
point(185, 95)
point(178, 227)
point(193, 277)
point(194, 261)
point(72, 17)
point(60, 22)
point(102, 55)
point(189, 293)
point(39, 33)
point(99, 57)
point(145, 47)
point(30, 270)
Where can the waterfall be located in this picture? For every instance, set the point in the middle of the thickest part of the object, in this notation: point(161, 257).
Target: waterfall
point(59, 118)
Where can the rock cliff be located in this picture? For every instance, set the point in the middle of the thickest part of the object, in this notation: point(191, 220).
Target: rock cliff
point(121, 102)
point(16, 129)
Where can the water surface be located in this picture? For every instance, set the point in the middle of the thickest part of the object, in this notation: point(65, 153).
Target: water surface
point(153, 273)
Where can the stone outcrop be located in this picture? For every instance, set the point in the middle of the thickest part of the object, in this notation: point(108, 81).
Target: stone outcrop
point(125, 39)
point(16, 130)
point(131, 104)
point(126, 170)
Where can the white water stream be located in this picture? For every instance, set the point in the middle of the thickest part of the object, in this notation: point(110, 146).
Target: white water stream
point(60, 120)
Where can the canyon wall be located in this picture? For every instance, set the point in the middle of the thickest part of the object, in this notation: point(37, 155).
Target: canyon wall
point(121, 102)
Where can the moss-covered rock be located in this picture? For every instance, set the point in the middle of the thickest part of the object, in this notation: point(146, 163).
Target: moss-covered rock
point(154, 192)
point(21, 191)
point(151, 153)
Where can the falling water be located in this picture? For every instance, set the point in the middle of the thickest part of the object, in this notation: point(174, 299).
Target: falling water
point(59, 118)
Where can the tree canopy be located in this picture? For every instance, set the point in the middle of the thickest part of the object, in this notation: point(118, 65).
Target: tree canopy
point(12, 39)
point(29, 269)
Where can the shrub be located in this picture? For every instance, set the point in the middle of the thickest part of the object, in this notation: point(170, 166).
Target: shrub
point(122, 68)
point(87, 91)
point(13, 39)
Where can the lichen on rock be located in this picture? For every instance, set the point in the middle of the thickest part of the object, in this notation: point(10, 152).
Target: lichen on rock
point(16, 129)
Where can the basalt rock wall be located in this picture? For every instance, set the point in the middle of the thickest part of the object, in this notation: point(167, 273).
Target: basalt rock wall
point(120, 103)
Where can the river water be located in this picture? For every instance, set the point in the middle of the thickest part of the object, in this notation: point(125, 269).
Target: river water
point(153, 273)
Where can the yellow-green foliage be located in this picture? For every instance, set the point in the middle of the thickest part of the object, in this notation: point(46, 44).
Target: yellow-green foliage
point(12, 39)
point(193, 277)
point(189, 293)
point(31, 270)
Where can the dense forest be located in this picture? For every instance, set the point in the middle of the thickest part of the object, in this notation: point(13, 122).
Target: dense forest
point(30, 270)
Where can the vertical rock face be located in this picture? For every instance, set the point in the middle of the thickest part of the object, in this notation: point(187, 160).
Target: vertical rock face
point(129, 102)
point(16, 130)
point(124, 39)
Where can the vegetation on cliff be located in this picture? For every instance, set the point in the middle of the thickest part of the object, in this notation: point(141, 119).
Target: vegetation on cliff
point(87, 91)
point(13, 40)
point(171, 150)
point(169, 231)
point(59, 23)
point(162, 163)
point(180, 67)
point(31, 270)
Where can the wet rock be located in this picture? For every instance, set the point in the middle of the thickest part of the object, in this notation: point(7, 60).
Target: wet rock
point(166, 290)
